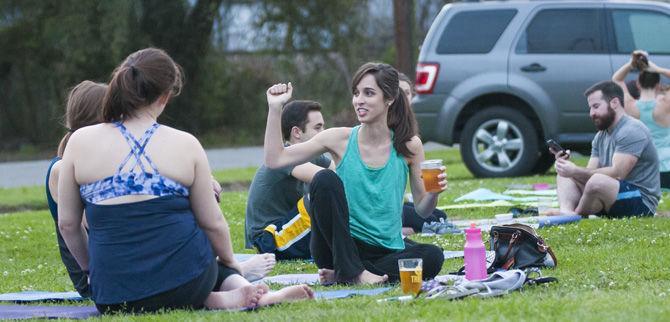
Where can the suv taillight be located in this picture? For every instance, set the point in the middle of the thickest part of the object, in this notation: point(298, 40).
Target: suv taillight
point(426, 75)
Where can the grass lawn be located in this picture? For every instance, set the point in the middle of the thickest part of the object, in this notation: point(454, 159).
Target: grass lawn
point(608, 269)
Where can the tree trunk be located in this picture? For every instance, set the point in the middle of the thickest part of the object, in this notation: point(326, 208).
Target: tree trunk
point(403, 18)
point(186, 35)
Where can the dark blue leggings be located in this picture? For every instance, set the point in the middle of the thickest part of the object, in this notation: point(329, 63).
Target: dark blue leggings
point(191, 295)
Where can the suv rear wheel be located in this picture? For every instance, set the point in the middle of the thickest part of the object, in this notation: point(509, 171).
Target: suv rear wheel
point(499, 142)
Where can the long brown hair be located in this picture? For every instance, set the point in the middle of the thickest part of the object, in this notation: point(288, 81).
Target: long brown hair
point(400, 117)
point(139, 81)
point(83, 108)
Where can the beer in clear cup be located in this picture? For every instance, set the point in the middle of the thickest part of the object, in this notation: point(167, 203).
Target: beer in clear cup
point(411, 275)
point(430, 169)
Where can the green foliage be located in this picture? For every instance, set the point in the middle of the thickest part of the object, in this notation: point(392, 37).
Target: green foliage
point(50, 46)
point(607, 269)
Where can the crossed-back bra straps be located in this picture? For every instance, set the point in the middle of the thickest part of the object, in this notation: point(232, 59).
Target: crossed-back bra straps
point(133, 182)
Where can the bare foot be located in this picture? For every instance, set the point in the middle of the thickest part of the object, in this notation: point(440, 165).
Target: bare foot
point(369, 278)
point(287, 294)
point(262, 288)
point(257, 266)
point(241, 298)
point(326, 276)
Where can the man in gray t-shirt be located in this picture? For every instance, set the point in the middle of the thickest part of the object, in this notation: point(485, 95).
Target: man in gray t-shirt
point(622, 175)
point(273, 221)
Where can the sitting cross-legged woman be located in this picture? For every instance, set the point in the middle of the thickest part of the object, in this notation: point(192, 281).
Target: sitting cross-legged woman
point(154, 224)
point(356, 211)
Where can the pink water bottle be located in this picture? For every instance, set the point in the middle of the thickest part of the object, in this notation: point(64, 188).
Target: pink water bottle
point(474, 254)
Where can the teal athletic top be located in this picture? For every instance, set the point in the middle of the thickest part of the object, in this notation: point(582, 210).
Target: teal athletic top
point(660, 135)
point(374, 195)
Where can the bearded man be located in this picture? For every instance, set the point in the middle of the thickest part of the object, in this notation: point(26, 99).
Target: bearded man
point(622, 176)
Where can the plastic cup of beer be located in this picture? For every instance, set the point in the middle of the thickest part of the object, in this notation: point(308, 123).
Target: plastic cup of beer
point(411, 275)
point(430, 169)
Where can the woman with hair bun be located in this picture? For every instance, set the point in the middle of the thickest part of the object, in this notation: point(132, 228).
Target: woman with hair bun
point(157, 238)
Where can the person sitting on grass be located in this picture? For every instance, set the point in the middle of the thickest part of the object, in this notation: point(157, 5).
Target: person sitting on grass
point(84, 108)
point(276, 218)
point(621, 178)
point(154, 224)
point(356, 212)
point(652, 108)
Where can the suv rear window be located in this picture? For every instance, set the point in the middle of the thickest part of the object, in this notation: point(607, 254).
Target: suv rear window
point(639, 29)
point(474, 32)
point(564, 31)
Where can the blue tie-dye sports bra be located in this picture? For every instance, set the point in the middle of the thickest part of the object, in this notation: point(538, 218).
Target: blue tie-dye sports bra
point(133, 182)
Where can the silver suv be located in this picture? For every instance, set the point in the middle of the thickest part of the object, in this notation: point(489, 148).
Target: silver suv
point(500, 78)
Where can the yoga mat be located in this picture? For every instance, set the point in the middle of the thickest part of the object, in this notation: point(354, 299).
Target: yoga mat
point(549, 193)
point(32, 296)
point(482, 194)
point(558, 220)
point(313, 279)
point(535, 186)
point(497, 203)
point(535, 222)
point(449, 254)
point(338, 294)
point(293, 279)
point(49, 312)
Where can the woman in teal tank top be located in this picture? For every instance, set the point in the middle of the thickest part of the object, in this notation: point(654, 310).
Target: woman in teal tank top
point(652, 108)
point(356, 212)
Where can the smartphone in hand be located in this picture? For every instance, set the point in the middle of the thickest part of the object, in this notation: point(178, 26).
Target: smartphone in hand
point(558, 150)
point(555, 146)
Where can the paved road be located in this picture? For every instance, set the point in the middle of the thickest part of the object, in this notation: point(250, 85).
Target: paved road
point(31, 173)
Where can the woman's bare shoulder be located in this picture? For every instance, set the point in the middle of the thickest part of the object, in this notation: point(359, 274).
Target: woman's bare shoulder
point(179, 140)
point(415, 145)
point(338, 130)
point(183, 136)
point(88, 134)
point(334, 135)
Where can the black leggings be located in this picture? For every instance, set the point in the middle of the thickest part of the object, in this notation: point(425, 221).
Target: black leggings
point(333, 247)
point(190, 295)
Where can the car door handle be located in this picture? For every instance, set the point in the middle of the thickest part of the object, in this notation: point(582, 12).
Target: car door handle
point(533, 68)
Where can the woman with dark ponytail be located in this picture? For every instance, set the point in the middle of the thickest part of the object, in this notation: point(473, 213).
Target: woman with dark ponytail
point(157, 238)
point(356, 211)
